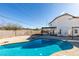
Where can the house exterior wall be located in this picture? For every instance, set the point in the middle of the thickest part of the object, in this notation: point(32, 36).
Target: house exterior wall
point(65, 23)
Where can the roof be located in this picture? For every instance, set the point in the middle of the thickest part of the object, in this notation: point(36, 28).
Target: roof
point(48, 28)
point(63, 15)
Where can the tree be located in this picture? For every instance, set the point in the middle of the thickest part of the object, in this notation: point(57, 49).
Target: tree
point(11, 26)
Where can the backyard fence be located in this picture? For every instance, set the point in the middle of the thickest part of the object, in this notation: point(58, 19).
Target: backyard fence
point(11, 33)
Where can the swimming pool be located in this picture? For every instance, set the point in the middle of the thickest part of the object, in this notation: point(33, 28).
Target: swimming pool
point(37, 47)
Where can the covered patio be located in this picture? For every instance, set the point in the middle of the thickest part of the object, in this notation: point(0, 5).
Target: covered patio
point(49, 31)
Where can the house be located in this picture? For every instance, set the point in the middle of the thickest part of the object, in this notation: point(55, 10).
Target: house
point(65, 25)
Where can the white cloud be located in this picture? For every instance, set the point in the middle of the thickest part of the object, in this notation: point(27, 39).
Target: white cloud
point(63, 12)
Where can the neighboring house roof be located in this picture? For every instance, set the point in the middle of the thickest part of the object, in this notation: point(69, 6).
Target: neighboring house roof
point(63, 15)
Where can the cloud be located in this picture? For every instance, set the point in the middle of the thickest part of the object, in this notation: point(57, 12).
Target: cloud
point(63, 12)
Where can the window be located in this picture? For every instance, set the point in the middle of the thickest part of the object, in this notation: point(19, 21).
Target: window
point(76, 31)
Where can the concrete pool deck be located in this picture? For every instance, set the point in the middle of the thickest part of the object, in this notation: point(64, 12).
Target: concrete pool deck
point(72, 52)
point(14, 40)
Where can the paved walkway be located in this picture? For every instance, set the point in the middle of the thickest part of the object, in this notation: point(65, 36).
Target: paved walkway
point(71, 52)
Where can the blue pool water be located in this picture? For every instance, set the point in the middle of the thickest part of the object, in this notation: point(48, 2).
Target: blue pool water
point(38, 47)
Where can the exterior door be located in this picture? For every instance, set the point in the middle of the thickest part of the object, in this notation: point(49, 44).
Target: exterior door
point(53, 32)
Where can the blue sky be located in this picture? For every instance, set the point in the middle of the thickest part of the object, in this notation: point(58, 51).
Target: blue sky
point(34, 15)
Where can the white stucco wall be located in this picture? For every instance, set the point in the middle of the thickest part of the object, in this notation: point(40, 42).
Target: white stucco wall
point(65, 23)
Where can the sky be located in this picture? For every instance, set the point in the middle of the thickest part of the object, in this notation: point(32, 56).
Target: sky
point(34, 15)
